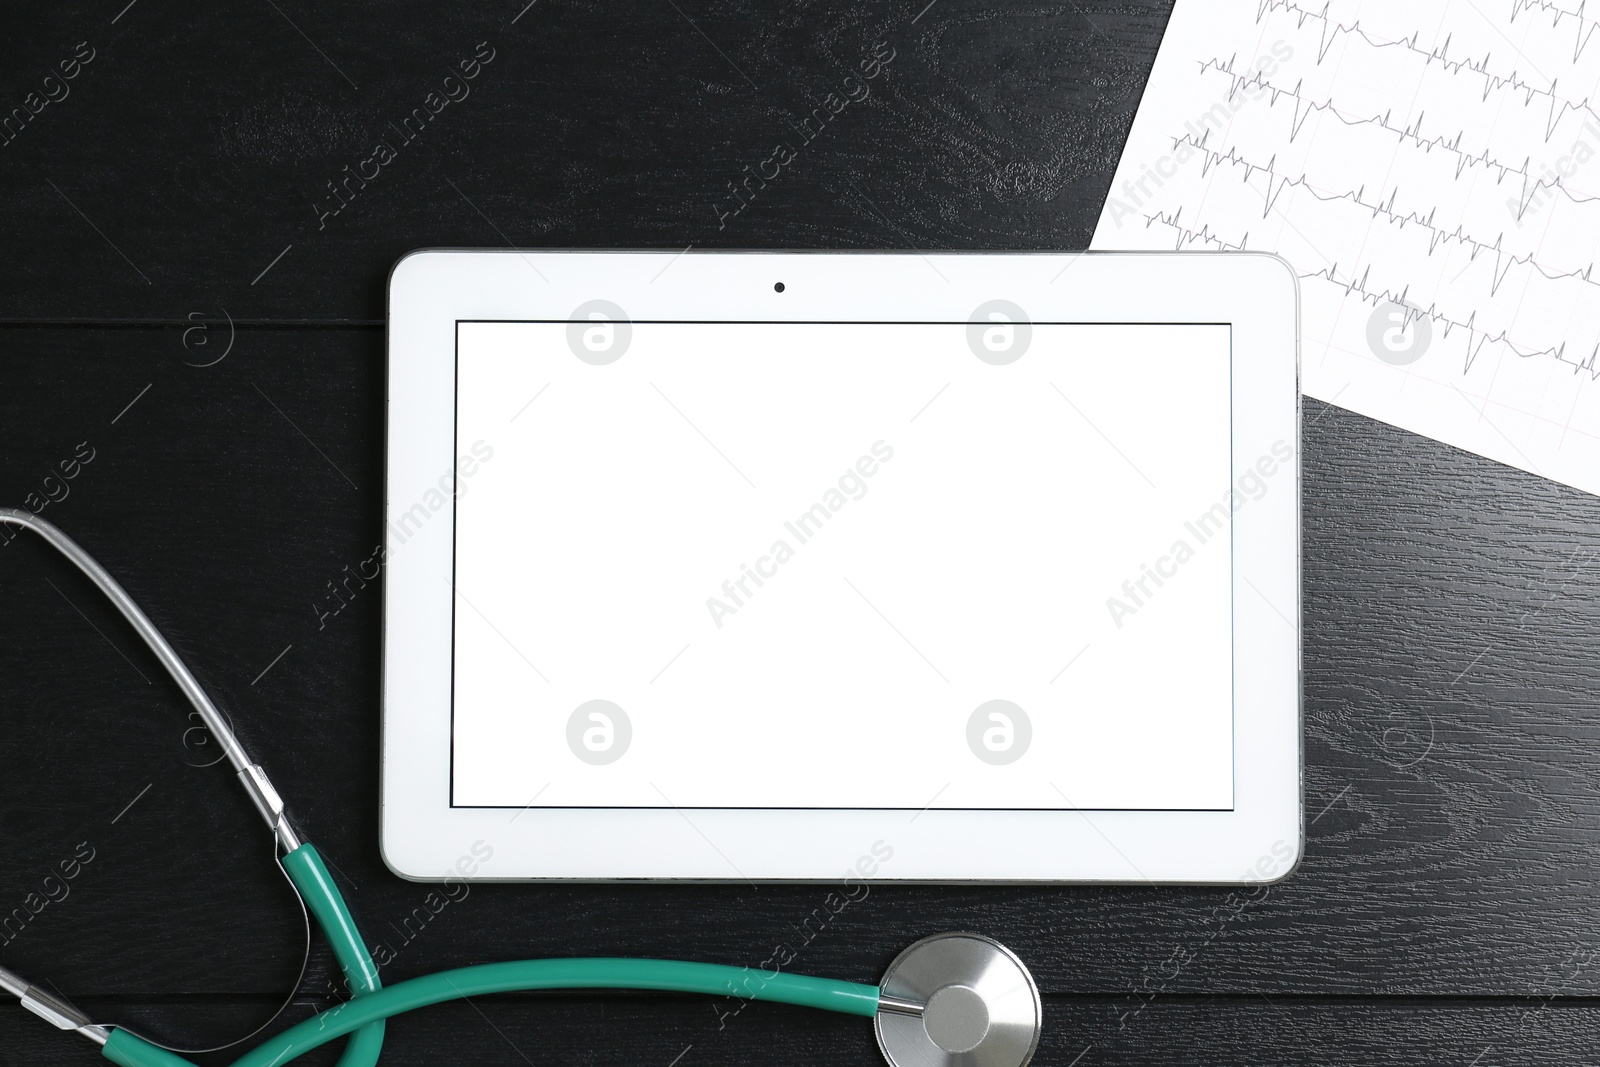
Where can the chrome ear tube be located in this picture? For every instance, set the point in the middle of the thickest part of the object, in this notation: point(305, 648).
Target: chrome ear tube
point(251, 776)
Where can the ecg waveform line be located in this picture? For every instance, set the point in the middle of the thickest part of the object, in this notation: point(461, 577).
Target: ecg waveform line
point(1412, 132)
point(1532, 187)
point(1190, 238)
point(1585, 28)
point(1385, 209)
point(1477, 339)
point(1331, 31)
point(1527, 196)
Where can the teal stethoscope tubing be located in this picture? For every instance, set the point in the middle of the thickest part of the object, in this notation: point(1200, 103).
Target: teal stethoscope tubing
point(365, 1014)
point(323, 899)
point(663, 975)
point(372, 1004)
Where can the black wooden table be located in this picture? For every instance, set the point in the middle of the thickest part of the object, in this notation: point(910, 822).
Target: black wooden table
point(195, 231)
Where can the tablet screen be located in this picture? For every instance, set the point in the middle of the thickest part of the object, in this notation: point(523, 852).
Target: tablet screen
point(843, 565)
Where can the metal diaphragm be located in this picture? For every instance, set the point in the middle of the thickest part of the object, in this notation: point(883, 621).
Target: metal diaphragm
point(979, 1005)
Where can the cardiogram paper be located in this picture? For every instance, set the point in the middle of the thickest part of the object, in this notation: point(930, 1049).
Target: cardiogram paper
point(1431, 170)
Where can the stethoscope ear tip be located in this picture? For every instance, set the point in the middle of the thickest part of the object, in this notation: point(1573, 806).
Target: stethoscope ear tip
point(953, 1000)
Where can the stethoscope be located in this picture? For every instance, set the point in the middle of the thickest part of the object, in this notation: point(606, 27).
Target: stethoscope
point(951, 999)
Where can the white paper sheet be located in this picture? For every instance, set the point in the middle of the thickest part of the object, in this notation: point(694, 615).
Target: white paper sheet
point(1431, 169)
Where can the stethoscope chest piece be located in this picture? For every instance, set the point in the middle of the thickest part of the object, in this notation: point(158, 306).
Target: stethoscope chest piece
point(979, 1005)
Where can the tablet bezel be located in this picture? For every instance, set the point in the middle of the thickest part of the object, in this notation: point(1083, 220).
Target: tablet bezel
point(423, 838)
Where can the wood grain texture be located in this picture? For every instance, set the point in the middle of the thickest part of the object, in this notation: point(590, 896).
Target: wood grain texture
point(200, 142)
point(1447, 902)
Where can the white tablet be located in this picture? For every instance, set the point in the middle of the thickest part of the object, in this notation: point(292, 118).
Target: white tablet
point(744, 566)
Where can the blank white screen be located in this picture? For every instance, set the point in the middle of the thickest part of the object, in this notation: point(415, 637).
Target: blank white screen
point(982, 558)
